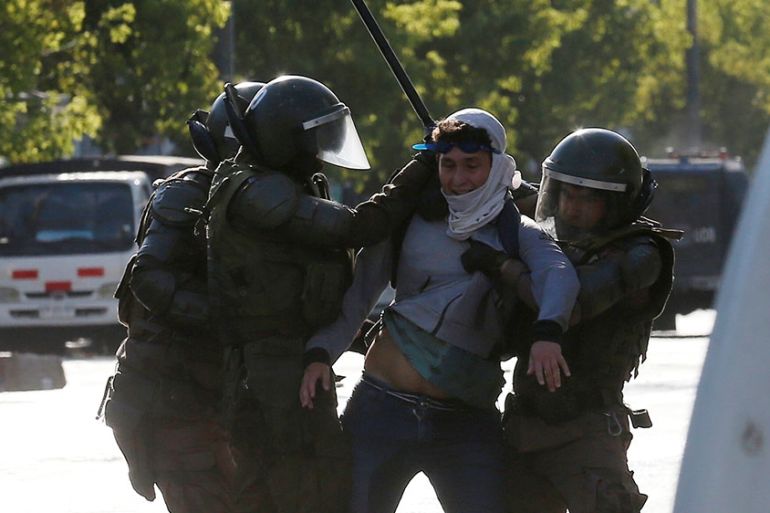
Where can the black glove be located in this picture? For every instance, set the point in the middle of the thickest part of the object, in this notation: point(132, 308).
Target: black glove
point(427, 158)
point(480, 257)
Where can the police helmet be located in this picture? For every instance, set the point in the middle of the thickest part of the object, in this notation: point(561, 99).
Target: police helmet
point(211, 133)
point(294, 118)
point(593, 181)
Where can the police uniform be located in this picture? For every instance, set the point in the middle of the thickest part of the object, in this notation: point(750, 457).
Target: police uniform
point(278, 271)
point(163, 401)
point(568, 446)
point(278, 268)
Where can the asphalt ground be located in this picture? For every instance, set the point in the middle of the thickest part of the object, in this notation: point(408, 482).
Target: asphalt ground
point(55, 458)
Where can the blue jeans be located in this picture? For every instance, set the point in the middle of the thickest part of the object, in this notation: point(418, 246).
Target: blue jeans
point(395, 436)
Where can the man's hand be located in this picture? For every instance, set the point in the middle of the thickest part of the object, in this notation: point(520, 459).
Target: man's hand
point(314, 372)
point(546, 363)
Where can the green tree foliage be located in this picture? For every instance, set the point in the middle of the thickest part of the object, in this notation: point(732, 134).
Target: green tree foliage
point(121, 72)
point(543, 67)
point(152, 66)
point(44, 62)
point(125, 71)
point(736, 73)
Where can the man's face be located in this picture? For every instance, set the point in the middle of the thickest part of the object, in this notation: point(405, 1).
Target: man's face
point(461, 172)
point(581, 207)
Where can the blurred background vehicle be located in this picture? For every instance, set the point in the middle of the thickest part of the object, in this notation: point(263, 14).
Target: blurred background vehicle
point(703, 195)
point(66, 233)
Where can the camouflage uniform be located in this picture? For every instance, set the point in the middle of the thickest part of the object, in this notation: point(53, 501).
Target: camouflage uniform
point(278, 271)
point(568, 447)
point(163, 401)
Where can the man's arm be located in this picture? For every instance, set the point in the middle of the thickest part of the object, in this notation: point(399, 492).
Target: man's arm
point(617, 276)
point(164, 278)
point(554, 287)
point(273, 201)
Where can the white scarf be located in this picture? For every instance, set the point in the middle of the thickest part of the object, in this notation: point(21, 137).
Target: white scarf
point(470, 211)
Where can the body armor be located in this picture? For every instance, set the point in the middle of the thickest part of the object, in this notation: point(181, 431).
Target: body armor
point(163, 401)
point(271, 288)
point(605, 349)
point(263, 280)
point(277, 272)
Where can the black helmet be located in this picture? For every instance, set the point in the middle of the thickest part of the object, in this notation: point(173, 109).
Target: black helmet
point(293, 118)
point(600, 166)
point(211, 134)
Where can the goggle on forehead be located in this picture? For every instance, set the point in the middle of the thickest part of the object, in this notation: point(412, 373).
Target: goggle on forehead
point(446, 147)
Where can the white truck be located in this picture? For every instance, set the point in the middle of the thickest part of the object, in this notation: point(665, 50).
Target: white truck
point(65, 239)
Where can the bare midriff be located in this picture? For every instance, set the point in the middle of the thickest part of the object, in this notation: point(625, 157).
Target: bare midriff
point(385, 362)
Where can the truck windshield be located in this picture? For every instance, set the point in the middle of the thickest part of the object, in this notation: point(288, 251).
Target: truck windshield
point(66, 218)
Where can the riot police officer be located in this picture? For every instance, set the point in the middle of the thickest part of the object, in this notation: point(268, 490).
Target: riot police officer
point(278, 268)
point(163, 401)
point(569, 433)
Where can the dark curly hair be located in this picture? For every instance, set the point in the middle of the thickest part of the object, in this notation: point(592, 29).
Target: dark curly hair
point(455, 131)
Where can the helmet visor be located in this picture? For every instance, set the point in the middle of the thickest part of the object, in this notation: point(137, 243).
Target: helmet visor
point(336, 139)
point(569, 211)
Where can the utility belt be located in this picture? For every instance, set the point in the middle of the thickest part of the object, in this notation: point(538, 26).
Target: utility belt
point(242, 332)
point(131, 395)
point(598, 401)
point(169, 352)
point(575, 398)
point(528, 433)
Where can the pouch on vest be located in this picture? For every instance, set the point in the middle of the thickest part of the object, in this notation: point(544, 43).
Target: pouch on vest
point(324, 288)
point(640, 418)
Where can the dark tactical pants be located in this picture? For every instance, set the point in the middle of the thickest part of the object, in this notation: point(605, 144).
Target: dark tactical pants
point(193, 466)
point(580, 465)
point(168, 429)
point(287, 459)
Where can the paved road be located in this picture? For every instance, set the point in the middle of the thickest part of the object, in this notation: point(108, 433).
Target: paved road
point(54, 458)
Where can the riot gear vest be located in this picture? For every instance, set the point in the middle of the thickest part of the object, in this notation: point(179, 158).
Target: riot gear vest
point(169, 364)
point(603, 352)
point(264, 283)
point(163, 286)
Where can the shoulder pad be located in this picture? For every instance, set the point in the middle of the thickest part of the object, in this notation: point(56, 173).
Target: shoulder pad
point(269, 198)
point(178, 201)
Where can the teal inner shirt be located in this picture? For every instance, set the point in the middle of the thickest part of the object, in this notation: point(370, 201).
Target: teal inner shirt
point(463, 375)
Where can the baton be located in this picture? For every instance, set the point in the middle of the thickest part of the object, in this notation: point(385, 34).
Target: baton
point(395, 66)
